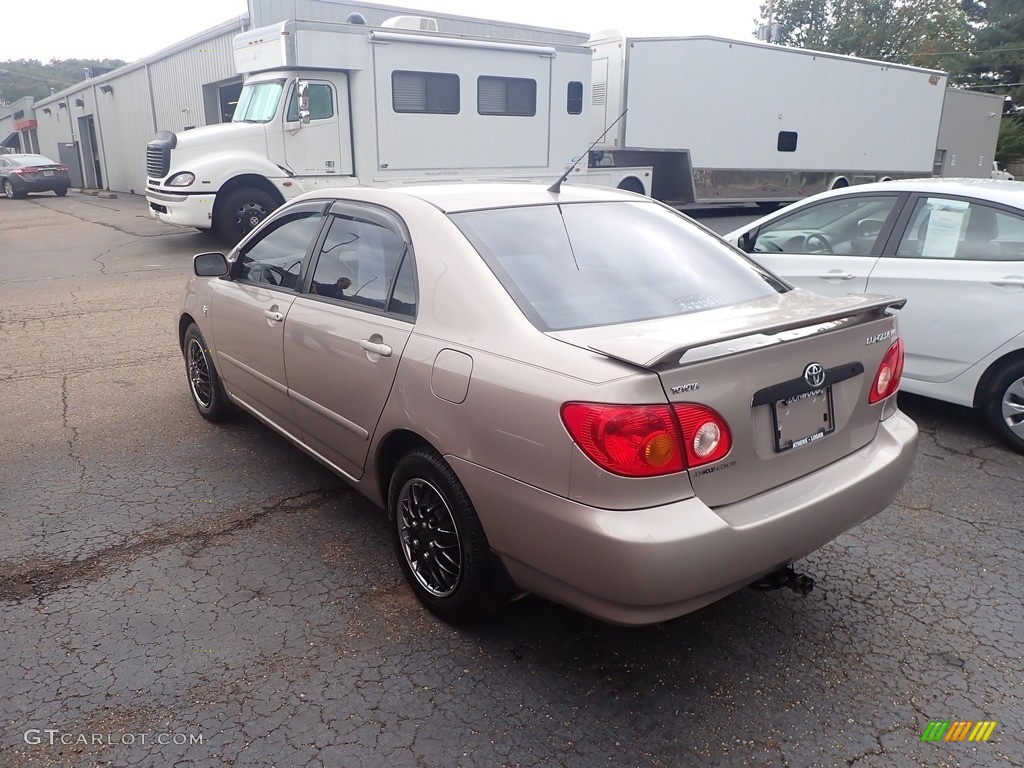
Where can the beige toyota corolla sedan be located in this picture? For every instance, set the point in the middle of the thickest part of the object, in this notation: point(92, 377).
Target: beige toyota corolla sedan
point(582, 394)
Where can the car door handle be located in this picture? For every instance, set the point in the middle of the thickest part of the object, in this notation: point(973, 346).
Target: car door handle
point(378, 349)
point(274, 315)
point(1010, 282)
point(837, 275)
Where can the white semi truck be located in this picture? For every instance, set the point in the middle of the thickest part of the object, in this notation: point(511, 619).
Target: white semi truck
point(725, 121)
point(327, 105)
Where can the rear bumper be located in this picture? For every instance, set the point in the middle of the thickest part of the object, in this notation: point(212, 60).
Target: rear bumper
point(42, 184)
point(648, 565)
point(183, 210)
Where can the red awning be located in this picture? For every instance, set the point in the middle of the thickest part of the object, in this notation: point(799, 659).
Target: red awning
point(25, 125)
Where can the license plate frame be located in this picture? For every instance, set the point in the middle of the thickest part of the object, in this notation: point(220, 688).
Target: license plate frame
point(47, 173)
point(803, 419)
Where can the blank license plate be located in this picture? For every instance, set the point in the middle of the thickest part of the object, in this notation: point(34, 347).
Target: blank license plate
point(803, 419)
point(47, 173)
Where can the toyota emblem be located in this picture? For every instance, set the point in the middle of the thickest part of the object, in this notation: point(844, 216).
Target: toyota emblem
point(814, 374)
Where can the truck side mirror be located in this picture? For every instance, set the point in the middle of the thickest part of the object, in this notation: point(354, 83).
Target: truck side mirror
point(303, 89)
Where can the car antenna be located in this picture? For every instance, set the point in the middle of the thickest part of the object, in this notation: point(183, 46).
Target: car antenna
point(557, 186)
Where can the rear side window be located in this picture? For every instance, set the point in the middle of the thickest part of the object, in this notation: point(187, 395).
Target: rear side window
point(589, 264)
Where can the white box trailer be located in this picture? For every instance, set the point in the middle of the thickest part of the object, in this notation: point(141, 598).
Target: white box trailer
point(726, 121)
point(968, 132)
point(327, 105)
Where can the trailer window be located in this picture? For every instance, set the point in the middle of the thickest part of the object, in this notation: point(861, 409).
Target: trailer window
point(574, 98)
point(515, 96)
point(425, 92)
point(787, 141)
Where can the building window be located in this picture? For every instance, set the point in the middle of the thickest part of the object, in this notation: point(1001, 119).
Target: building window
point(506, 96)
point(574, 98)
point(430, 92)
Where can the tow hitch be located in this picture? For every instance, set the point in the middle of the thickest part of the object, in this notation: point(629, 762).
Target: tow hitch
point(784, 577)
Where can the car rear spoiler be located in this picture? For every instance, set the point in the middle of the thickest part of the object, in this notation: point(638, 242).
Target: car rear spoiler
point(654, 350)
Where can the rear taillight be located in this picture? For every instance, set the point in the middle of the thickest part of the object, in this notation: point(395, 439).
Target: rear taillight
point(706, 436)
point(887, 380)
point(62, 169)
point(647, 440)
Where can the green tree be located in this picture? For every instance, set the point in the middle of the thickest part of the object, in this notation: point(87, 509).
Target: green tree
point(30, 77)
point(915, 32)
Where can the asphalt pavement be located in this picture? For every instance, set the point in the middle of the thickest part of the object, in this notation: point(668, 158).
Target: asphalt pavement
point(176, 593)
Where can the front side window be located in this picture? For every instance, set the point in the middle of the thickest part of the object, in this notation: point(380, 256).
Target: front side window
point(358, 262)
point(848, 226)
point(506, 96)
point(947, 228)
point(321, 103)
point(258, 102)
point(276, 258)
point(427, 92)
point(589, 264)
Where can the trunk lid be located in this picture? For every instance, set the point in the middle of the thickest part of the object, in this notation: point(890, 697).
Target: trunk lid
point(789, 374)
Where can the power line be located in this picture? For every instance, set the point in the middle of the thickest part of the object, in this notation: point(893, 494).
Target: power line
point(962, 53)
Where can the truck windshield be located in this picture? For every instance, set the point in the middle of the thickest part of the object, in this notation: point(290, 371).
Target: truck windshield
point(258, 102)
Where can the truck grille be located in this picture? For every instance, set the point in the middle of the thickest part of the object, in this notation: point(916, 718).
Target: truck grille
point(158, 161)
point(158, 154)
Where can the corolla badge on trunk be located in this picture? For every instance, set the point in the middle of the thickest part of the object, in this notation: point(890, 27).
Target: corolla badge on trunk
point(814, 374)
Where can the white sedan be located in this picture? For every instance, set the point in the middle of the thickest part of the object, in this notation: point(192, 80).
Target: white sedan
point(953, 247)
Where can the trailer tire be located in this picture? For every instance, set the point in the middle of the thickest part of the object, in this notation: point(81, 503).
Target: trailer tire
point(241, 211)
point(840, 182)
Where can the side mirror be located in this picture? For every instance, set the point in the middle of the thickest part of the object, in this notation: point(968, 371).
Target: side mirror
point(745, 242)
point(303, 89)
point(210, 265)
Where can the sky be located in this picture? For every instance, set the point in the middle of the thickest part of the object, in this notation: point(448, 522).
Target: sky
point(132, 29)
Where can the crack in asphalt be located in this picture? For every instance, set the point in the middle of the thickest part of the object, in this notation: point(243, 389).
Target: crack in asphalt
point(42, 579)
point(73, 439)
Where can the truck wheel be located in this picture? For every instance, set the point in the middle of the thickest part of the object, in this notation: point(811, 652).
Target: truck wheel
point(1004, 404)
point(240, 211)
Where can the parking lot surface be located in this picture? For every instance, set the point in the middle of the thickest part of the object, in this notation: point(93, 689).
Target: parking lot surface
point(176, 593)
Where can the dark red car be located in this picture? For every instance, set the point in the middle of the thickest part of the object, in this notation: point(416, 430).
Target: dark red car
point(21, 174)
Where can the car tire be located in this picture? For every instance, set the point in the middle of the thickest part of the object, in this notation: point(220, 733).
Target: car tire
point(1004, 406)
point(438, 539)
point(241, 211)
point(203, 381)
point(10, 191)
point(62, 192)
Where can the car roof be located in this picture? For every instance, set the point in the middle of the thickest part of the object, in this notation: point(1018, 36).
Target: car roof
point(995, 190)
point(457, 196)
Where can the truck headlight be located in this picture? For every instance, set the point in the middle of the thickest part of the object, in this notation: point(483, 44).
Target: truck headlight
point(184, 179)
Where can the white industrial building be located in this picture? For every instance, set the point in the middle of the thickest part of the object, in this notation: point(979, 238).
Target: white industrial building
point(99, 128)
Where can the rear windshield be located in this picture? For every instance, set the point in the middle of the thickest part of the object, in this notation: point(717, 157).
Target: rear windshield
point(589, 264)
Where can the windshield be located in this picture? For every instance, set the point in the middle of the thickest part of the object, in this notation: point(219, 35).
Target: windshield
point(589, 264)
point(258, 102)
